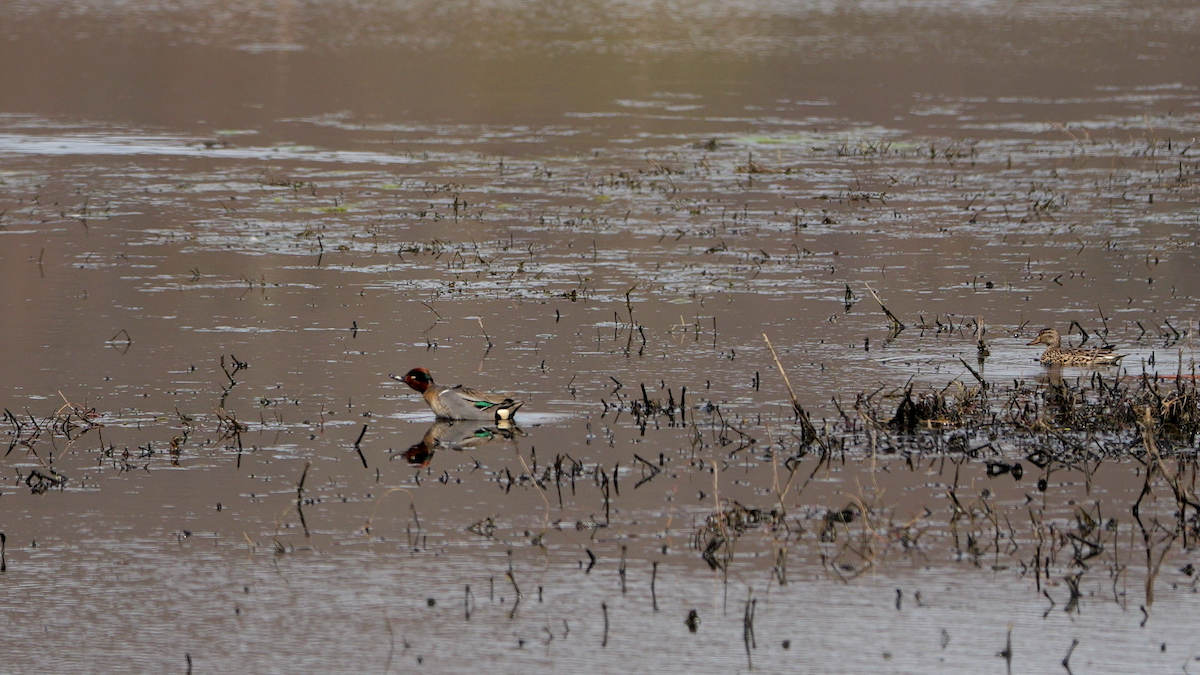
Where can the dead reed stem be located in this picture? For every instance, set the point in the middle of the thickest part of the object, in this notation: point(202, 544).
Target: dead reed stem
point(896, 324)
point(782, 372)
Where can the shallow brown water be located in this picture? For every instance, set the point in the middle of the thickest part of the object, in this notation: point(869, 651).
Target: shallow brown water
point(573, 201)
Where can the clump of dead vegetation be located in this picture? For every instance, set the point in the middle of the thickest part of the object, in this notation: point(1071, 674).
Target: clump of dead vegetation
point(40, 439)
point(1029, 432)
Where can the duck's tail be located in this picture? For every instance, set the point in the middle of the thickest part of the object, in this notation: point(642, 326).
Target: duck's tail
point(507, 409)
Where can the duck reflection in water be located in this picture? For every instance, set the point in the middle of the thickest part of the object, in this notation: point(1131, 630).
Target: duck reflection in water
point(459, 435)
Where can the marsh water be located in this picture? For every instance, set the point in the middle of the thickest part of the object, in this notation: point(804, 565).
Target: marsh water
point(224, 225)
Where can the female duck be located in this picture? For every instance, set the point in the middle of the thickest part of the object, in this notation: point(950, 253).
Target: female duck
point(1057, 355)
point(459, 402)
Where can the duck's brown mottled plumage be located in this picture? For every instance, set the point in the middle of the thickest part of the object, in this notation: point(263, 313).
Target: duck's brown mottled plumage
point(1057, 355)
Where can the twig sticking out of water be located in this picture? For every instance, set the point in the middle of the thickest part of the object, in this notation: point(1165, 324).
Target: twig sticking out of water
point(654, 578)
point(1066, 662)
point(412, 506)
point(237, 365)
point(439, 316)
point(1007, 654)
point(516, 589)
point(1084, 333)
point(387, 622)
point(359, 449)
point(606, 492)
point(977, 376)
point(604, 608)
point(621, 570)
point(748, 628)
point(982, 351)
point(808, 430)
point(782, 372)
point(300, 498)
point(485, 333)
point(300, 483)
point(896, 324)
point(121, 343)
point(542, 494)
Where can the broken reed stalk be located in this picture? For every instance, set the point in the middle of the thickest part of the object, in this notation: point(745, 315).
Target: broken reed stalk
point(809, 431)
point(786, 381)
point(781, 495)
point(412, 502)
point(653, 579)
point(604, 608)
point(748, 628)
point(1066, 662)
point(621, 570)
point(387, 622)
point(485, 333)
point(977, 376)
point(300, 484)
point(358, 449)
point(528, 472)
point(895, 323)
point(512, 613)
point(629, 306)
point(1007, 654)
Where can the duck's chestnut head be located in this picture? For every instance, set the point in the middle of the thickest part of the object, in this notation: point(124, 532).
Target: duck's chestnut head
point(419, 379)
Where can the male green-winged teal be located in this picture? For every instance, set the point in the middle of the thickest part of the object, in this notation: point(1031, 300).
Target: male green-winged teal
point(1057, 355)
point(459, 402)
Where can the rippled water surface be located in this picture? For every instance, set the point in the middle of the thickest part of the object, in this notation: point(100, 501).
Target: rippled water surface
point(224, 225)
